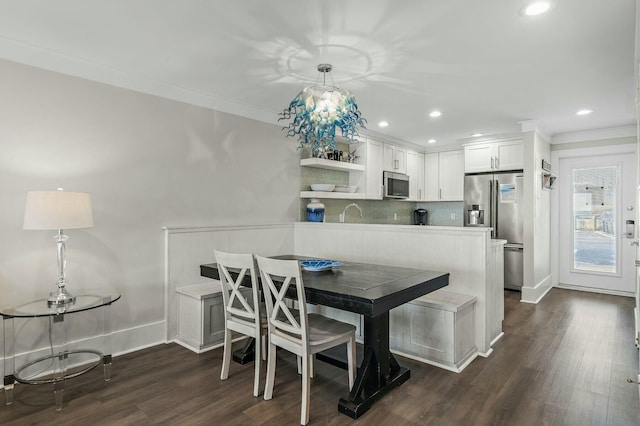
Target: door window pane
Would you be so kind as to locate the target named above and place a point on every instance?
(594, 219)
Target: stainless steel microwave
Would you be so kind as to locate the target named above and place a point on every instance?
(396, 185)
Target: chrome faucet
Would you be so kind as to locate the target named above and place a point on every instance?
(343, 215)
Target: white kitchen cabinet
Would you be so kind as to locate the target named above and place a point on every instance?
(394, 158)
(444, 176)
(372, 180)
(415, 170)
(493, 156)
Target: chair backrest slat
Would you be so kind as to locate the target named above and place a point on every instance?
(277, 276)
(237, 307)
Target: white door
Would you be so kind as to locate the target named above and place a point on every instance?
(596, 198)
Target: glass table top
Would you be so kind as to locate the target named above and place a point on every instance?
(39, 308)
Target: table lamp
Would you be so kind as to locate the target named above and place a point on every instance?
(58, 210)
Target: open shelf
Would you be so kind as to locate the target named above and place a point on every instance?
(335, 195)
(322, 163)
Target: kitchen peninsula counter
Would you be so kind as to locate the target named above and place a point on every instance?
(473, 259)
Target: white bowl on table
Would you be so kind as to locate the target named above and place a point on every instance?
(322, 187)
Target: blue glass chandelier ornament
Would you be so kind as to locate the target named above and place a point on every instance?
(318, 110)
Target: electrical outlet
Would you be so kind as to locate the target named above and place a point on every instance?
(453, 215)
(395, 216)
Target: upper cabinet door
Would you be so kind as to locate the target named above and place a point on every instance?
(451, 175)
(389, 158)
(510, 155)
(493, 156)
(431, 178)
(373, 171)
(394, 159)
(479, 158)
(415, 170)
(401, 159)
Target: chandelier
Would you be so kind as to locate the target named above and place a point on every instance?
(318, 110)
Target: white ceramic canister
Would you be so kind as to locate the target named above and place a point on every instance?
(315, 211)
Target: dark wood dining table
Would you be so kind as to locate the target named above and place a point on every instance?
(371, 290)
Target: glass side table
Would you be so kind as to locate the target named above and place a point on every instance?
(62, 362)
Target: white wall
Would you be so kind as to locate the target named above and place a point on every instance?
(147, 162)
(537, 237)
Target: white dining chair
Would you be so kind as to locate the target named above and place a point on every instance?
(297, 331)
(241, 315)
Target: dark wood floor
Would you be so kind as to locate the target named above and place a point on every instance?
(564, 361)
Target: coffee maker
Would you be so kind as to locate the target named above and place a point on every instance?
(419, 217)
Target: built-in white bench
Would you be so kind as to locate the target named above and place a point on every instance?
(200, 311)
(200, 316)
(437, 328)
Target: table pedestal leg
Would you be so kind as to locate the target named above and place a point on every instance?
(379, 371)
(247, 353)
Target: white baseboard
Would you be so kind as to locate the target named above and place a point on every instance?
(486, 354)
(596, 290)
(535, 294)
(462, 366)
(121, 342)
(498, 337)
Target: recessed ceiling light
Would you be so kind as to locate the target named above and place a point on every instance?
(584, 112)
(475, 135)
(431, 141)
(536, 8)
(383, 123)
(435, 114)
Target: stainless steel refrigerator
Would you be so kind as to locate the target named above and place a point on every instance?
(495, 200)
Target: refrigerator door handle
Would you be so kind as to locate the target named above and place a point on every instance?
(491, 207)
(495, 208)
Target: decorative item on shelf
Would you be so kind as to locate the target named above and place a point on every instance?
(345, 188)
(315, 211)
(318, 110)
(322, 187)
(351, 155)
(58, 210)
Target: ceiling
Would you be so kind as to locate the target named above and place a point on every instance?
(481, 63)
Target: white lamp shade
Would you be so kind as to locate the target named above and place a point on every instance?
(58, 210)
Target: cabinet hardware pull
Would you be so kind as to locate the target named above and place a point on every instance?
(491, 163)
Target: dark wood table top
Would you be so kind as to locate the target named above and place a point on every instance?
(368, 289)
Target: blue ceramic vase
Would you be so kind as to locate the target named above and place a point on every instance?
(315, 211)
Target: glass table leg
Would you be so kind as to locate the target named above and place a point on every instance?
(59, 342)
(58, 393)
(106, 363)
(9, 381)
(9, 362)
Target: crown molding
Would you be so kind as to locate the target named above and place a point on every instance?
(596, 134)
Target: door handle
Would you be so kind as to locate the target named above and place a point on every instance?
(491, 205)
(497, 235)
